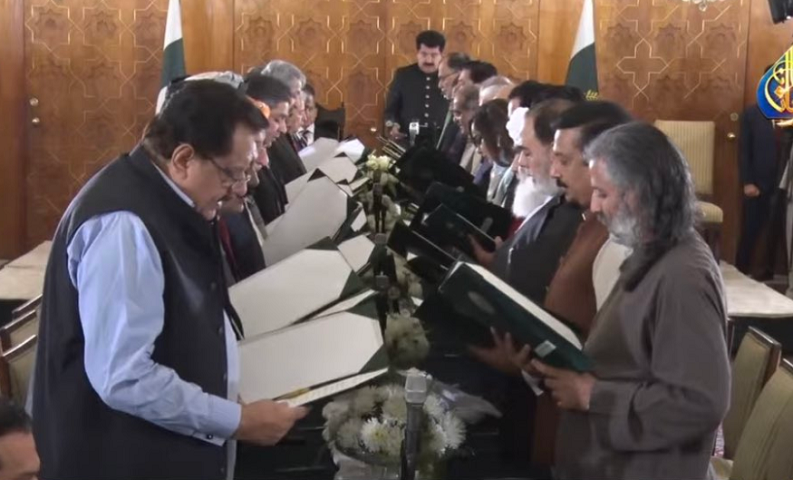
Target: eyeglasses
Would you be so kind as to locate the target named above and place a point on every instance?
(231, 178)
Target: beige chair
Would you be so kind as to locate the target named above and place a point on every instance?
(19, 330)
(696, 140)
(16, 369)
(757, 359)
(765, 450)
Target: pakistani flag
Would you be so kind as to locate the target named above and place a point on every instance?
(582, 71)
(173, 51)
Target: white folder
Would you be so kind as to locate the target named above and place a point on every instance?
(357, 251)
(344, 346)
(319, 151)
(321, 210)
(301, 285)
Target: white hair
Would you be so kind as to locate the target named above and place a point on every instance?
(284, 71)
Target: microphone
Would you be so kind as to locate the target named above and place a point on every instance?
(377, 208)
(414, 129)
(415, 396)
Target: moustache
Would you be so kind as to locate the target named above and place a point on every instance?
(560, 183)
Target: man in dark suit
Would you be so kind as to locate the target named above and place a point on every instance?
(448, 74)
(759, 163)
(414, 94)
(270, 195)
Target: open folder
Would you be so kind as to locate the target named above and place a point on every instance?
(294, 289)
(341, 170)
(479, 296)
(451, 231)
(357, 251)
(332, 353)
(321, 210)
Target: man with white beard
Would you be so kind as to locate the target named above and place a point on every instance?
(528, 260)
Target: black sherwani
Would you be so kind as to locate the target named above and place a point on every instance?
(414, 95)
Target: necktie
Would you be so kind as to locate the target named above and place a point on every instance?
(225, 241)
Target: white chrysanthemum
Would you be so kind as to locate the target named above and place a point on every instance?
(392, 444)
(395, 408)
(335, 409)
(374, 436)
(349, 434)
(364, 401)
(434, 408)
(454, 429)
(437, 439)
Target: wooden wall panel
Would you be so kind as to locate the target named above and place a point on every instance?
(350, 49)
(94, 67)
(208, 32)
(12, 129)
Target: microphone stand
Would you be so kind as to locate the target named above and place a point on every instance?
(415, 396)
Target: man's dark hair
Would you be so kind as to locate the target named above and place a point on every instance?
(469, 97)
(267, 89)
(640, 159)
(205, 115)
(527, 91)
(457, 60)
(308, 89)
(564, 92)
(13, 418)
(545, 115)
(593, 118)
(490, 121)
(430, 39)
(480, 71)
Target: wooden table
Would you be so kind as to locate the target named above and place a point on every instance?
(22, 279)
(751, 303)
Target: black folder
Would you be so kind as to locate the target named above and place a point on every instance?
(420, 166)
(493, 220)
(453, 233)
(479, 296)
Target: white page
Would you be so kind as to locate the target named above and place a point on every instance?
(319, 151)
(270, 227)
(524, 302)
(358, 184)
(352, 148)
(339, 169)
(283, 293)
(359, 222)
(318, 212)
(357, 251)
(306, 355)
(36, 258)
(334, 388)
(296, 186)
(345, 305)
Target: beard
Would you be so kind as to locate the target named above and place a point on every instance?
(622, 227)
(527, 197)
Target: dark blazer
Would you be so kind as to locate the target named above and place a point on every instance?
(284, 160)
(758, 150)
(448, 135)
(245, 245)
(270, 195)
(415, 95)
(529, 259)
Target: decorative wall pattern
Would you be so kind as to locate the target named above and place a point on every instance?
(665, 59)
(93, 68)
(350, 48)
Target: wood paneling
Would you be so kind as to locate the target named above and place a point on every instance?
(350, 49)
(767, 42)
(94, 66)
(12, 129)
(558, 22)
(208, 35)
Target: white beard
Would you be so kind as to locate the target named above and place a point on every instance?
(622, 228)
(527, 198)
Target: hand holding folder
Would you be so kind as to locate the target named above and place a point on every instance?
(266, 422)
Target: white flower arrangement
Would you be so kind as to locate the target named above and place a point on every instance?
(368, 424)
(393, 213)
(407, 281)
(407, 345)
(378, 169)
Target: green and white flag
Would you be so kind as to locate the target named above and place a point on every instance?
(173, 51)
(582, 71)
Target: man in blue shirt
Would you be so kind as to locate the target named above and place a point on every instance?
(137, 370)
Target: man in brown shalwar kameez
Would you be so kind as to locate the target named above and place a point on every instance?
(661, 379)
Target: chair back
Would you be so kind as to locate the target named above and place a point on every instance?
(757, 359)
(330, 123)
(16, 368)
(26, 307)
(696, 140)
(19, 330)
(764, 450)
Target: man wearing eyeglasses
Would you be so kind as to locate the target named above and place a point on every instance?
(137, 370)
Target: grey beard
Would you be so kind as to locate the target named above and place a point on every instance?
(622, 229)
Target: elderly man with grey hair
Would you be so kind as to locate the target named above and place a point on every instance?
(495, 87)
(660, 382)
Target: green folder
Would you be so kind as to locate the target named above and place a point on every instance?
(479, 296)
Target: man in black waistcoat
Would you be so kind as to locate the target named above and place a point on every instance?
(414, 94)
(137, 370)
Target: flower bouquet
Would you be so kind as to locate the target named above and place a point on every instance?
(365, 428)
(405, 340)
(378, 169)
